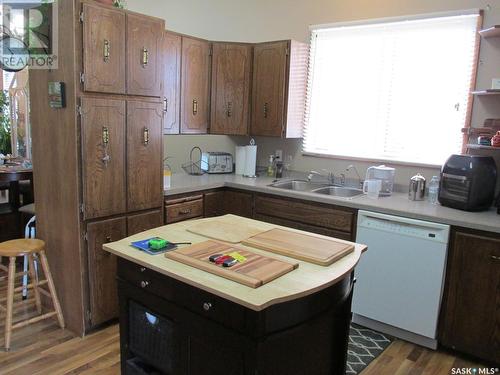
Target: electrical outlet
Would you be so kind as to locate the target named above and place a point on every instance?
(279, 154)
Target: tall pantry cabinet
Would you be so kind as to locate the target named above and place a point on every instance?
(98, 161)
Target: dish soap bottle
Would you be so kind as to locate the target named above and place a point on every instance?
(270, 167)
(434, 190)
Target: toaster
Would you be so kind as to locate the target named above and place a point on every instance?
(217, 162)
(468, 182)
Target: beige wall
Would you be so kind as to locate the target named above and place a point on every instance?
(261, 20)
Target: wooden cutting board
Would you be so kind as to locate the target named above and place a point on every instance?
(255, 271)
(311, 248)
(224, 231)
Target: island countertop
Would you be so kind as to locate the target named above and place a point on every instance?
(307, 279)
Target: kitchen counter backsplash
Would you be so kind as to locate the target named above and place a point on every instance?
(397, 204)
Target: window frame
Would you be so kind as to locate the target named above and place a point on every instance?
(470, 102)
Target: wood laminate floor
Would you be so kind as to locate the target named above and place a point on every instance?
(44, 348)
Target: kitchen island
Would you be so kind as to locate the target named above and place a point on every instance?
(181, 320)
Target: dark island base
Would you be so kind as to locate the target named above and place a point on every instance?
(169, 327)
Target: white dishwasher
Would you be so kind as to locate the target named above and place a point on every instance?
(400, 278)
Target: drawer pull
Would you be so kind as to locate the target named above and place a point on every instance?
(142, 269)
(185, 211)
(495, 258)
(207, 306)
(144, 284)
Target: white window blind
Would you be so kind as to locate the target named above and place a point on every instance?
(395, 91)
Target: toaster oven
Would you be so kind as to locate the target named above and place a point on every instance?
(217, 162)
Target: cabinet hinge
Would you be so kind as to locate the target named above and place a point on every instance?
(88, 314)
(86, 236)
(82, 208)
(210, 51)
(81, 16)
(79, 113)
(287, 51)
(82, 77)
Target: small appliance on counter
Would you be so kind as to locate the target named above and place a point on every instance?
(217, 162)
(497, 204)
(468, 182)
(384, 174)
(416, 191)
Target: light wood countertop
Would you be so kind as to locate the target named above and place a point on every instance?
(306, 279)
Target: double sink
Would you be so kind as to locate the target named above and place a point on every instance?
(318, 188)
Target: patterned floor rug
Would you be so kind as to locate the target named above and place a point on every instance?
(364, 346)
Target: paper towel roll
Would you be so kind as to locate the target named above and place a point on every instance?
(240, 159)
(250, 161)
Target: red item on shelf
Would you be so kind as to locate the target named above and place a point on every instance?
(495, 141)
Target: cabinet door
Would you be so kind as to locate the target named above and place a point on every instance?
(102, 269)
(194, 86)
(238, 203)
(213, 204)
(144, 155)
(470, 318)
(171, 82)
(144, 38)
(269, 81)
(103, 49)
(141, 222)
(230, 88)
(103, 157)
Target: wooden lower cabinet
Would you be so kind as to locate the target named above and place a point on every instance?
(143, 221)
(470, 314)
(237, 203)
(318, 218)
(180, 208)
(212, 203)
(103, 304)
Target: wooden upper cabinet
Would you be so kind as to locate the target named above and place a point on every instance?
(103, 153)
(195, 86)
(144, 155)
(470, 316)
(279, 88)
(171, 82)
(103, 49)
(144, 59)
(231, 75)
(102, 269)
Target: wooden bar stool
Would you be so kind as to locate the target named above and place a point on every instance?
(33, 249)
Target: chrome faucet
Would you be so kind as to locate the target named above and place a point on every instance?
(357, 174)
(328, 175)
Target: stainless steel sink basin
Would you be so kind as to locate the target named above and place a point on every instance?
(339, 191)
(298, 185)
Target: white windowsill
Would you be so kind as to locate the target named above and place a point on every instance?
(387, 161)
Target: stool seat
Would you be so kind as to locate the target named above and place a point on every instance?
(28, 209)
(24, 246)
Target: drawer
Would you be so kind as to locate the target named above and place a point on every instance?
(320, 215)
(183, 211)
(193, 299)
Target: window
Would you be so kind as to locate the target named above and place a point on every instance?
(391, 91)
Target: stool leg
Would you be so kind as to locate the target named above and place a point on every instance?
(34, 281)
(25, 277)
(10, 301)
(52, 289)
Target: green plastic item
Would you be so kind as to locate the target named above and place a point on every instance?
(158, 243)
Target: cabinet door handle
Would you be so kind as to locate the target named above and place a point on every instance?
(144, 284)
(145, 57)
(207, 306)
(105, 142)
(106, 50)
(195, 107)
(229, 111)
(145, 135)
(495, 258)
(165, 105)
(265, 110)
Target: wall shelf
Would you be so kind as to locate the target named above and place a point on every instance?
(482, 147)
(490, 32)
(486, 92)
